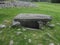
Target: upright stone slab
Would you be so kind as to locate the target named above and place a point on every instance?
(33, 20)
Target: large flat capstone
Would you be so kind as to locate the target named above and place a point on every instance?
(33, 20)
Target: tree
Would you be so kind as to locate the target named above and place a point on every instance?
(55, 1)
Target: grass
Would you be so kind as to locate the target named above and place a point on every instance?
(44, 37)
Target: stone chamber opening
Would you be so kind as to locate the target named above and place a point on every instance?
(30, 24)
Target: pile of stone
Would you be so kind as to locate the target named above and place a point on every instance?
(17, 4)
(24, 4)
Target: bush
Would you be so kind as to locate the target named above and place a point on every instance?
(55, 1)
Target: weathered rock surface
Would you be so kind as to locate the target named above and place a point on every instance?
(2, 26)
(15, 23)
(51, 25)
(33, 20)
(33, 16)
(12, 4)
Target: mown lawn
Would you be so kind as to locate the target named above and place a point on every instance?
(44, 37)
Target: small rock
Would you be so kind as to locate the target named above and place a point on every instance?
(51, 44)
(29, 40)
(24, 29)
(15, 23)
(34, 34)
(2, 26)
(51, 25)
(58, 23)
(11, 42)
(39, 44)
(19, 33)
(30, 29)
(19, 29)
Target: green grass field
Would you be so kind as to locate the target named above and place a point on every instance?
(44, 37)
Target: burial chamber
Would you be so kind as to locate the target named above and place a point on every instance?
(33, 20)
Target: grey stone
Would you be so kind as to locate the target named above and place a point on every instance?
(40, 44)
(34, 35)
(40, 24)
(51, 25)
(18, 33)
(33, 16)
(58, 23)
(2, 26)
(8, 4)
(29, 40)
(31, 28)
(19, 29)
(15, 23)
(23, 4)
(33, 20)
(23, 29)
(11, 42)
(51, 44)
